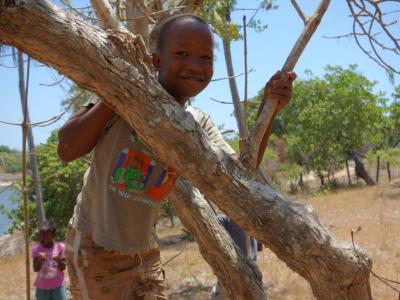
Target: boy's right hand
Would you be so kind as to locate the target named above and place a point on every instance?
(280, 88)
(41, 257)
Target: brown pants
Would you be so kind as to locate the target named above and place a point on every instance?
(98, 274)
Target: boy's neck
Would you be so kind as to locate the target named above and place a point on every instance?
(50, 245)
(182, 101)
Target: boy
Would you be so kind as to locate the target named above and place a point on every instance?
(111, 250)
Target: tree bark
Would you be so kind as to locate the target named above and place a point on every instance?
(378, 167)
(41, 215)
(360, 168)
(348, 172)
(321, 179)
(239, 113)
(388, 171)
(115, 66)
(137, 25)
(232, 268)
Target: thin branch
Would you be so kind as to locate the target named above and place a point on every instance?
(219, 101)
(370, 9)
(244, 9)
(8, 67)
(299, 11)
(10, 123)
(154, 13)
(255, 13)
(54, 119)
(361, 260)
(49, 121)
(76, 11)
(245, 104)
(55, 83)
(229, 77)
(8, 187)
(145, 11)
(267, 114)
(175, 256)
(106, 15)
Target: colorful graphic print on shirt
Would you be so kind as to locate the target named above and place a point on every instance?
(134, 170)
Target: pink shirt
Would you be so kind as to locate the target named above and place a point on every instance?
(49, 277)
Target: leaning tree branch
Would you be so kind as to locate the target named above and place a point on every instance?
(266, 116)
(116, 66)
(106, 15)
(236, 272)
(299, 11)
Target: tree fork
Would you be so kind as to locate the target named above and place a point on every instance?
(116, 66)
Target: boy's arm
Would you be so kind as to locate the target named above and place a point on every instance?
(80, 133)
(37, 263)
(280, 89)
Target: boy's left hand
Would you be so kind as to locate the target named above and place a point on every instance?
(60, 261)
(280, 89)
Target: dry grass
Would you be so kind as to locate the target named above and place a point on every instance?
(376, 210)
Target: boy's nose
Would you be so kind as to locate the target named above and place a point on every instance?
(194, 65)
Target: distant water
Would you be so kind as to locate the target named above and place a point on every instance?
(5, 199)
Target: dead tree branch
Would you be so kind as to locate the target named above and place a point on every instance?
(372, 33)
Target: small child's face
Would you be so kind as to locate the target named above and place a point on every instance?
(185, 62)
(46, 237)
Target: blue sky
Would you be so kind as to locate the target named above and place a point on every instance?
(267, 51)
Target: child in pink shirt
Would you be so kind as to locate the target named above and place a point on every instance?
(49, 263)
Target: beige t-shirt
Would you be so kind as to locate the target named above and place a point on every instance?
(124, 187)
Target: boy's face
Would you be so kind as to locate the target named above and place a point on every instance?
(185, 62)
(46, 237)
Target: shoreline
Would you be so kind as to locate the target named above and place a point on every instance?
(6, 179)
(4, 184)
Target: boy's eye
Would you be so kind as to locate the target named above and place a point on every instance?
(207, 58)
(182, 53)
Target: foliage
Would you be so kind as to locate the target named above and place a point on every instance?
(6, 149)
(61, 184)
(391, 155)
(392, 122)
(10, 160)
(327, 117)
(218, 14)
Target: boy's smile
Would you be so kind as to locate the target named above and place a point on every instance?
(185, 61)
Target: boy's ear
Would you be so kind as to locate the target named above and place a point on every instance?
(156, 60)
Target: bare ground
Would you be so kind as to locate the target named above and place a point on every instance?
(374, 210)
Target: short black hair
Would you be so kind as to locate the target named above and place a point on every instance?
(49, 225)
(158, 33)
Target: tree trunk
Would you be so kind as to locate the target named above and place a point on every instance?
(41, 215)
(378, 166)
(348, 173)
(301, 182)
(360, 168)
(239, 114)
(232, 268)
(115, 66)
(388, 171)
(321, 179)
(136, 22)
